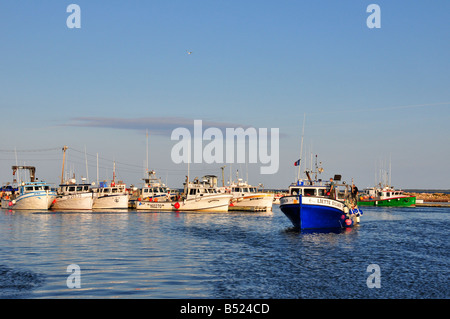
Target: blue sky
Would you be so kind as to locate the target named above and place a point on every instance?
(371, 96)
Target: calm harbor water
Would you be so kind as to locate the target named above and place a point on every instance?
(129, 254)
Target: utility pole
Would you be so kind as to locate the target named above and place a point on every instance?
(64, 159)
(223, 176)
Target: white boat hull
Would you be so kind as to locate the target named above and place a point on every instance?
(38, 201)
(111, 201)
(76, 202)
(147, 205)
(215, 203)
(256, 202)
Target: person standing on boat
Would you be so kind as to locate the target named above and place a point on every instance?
(332, 189)
(354, 194)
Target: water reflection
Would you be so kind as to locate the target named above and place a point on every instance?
(223, 255)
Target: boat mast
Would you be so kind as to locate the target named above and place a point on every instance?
(17, 177)
(97, 169)
(85, 158)
(114, 172)
(146, 134)
(301, 147)
(390, 170)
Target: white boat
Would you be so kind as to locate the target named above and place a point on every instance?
(29, 195)
(73, 196)
(247, 197)
(204, 196)
(154, 195)
(197, 196)
(114, 195)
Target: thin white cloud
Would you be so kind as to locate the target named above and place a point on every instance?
(155, 125)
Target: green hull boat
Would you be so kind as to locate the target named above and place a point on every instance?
(386, 197)
(409, 201)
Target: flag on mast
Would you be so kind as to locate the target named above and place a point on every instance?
(297, 163)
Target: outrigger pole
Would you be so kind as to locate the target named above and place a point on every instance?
(301, 148)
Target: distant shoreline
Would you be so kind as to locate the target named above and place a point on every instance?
(418, 190)
(408, 190)
(437, 196)
(426, 195)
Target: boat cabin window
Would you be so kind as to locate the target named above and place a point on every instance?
(29, 188)
(71, 188)
(192, 191)
(308, 191)
(320, 192)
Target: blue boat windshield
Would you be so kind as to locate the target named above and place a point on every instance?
(308, 191)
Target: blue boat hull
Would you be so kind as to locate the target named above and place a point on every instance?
(315, 216)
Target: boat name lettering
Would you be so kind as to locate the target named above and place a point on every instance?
(155, 205)
(325, 201)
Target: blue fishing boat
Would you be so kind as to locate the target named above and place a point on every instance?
(313, 204)
(317, 205)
